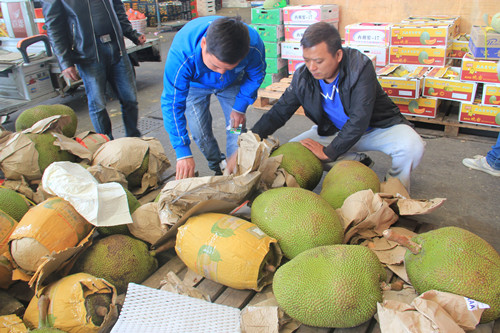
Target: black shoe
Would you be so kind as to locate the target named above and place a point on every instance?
(366, 160)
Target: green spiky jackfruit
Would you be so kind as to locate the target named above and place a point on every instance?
(346, 178)
(301, 163)
(330, 286)
(47, 151)
(30, 116)
(457, 261)
(119, 259)
(135, 178)
(298, 218)
(12, 203)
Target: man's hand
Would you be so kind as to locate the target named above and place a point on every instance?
(142, 39)
(315, 147)
(231, 164)
(184, 168)
(237, 119)
(71, 73)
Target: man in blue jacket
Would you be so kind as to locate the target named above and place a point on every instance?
(210, 55)
(340, 93)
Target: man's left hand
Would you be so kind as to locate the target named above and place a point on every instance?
(142, 39)
(237, 119)
(315, 147)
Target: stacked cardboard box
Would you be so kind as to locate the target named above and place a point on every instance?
(269, 24)
(370, 38)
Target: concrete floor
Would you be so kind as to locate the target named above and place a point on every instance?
(470, 194)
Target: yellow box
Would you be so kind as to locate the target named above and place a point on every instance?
(491, 94)
(420, 107)
(402, 81)
(419, 55)
(453, 21)
(459, 46)
(476, 113)
(443, 83)
(421, 35)
(480, 70)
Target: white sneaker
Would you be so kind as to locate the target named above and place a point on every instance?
(479, 162)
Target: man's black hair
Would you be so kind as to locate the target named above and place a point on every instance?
(322, 32)
(228, 40)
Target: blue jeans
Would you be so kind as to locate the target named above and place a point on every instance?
(400, 142)
(117, 70)
(493, 156)
(199, 120)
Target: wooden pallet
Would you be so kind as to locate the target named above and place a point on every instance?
(446, 118)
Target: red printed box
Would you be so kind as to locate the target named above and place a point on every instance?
(402, 81)
(459, 46)
(421, 35)
(308, 14)
(294, 32)
(453, 21)
(444, 83)
(291, 50)
(480, 70)
(381, 52)
(419, 55)
(479, 114)
(368, 34)
(293, 65)
(420, 107)
(491, 94)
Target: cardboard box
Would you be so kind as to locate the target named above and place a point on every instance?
(270, 33)
(402, 81)
(381, 52)
(479, 70)
(444, 83)
(459, 46)
(368, 34)
(491, 94)
(275, 65)
(419, 55)
(420, 107)
(19, 19)
(291, 50)
(294, 32)
(478, 114)
(273, 50)
(262, 15)
(293, 65)
(425, 35)
(484, 43)
(308, 14)
(275, 77)
(454, 21)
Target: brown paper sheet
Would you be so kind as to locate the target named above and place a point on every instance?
(147, 225)
(173, 284)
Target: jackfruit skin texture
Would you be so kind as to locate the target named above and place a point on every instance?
(346, 178)
(301, 163)
(457, 261)
(133, 204)
(12, 203)
(330, 286)
(30, 116)
(119, 259)
(297, 218)
(47, 151)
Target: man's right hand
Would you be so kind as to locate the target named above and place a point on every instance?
(71, 73)
(184, 168)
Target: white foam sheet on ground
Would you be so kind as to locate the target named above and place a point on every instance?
(152, 310)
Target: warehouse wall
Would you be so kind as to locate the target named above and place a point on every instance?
(393, 11)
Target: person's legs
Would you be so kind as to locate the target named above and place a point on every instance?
(226, 99)
(489, 163)
(122, 80)
(493, 156)
(200, 124)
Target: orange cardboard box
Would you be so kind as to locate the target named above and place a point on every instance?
(460, 46)
(480, 70)
(453, 21)
(419, 55)
(425, 35)
(402, 81)
(476, 113)
(491, 94)
(420, 107)
(444, 83)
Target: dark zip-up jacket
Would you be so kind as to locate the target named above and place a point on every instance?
(71, 30)
(364, 101)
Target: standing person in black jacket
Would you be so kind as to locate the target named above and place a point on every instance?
(89, 34)
(340, 93)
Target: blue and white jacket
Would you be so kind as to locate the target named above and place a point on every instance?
(184, 68)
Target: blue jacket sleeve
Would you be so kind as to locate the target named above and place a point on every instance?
(254, 75)
(176, 79)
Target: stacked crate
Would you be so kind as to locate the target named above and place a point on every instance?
(371, 39)
(296, 20)
(165, 11)
(269, 24)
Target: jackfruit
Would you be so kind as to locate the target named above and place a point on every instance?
(457, 261)
(13, 203)
(119, 259)
(135, 178)
(7, 225)
(30, 116)
(298, 218)
(97, 306)
(330, 286)
(346, 178)
(47, 151)
(301, 163)
(133, 204)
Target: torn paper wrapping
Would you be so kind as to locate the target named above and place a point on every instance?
(22, 186)
(433, 311)
(178, 196)
(147, 225)
(173, 284)
(266, 316)
(104, 174)
(91, 140)
(100, 204)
